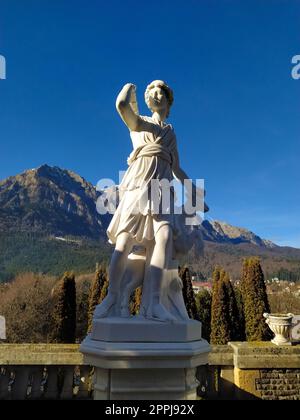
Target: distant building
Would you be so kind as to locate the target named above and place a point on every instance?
(198, 286)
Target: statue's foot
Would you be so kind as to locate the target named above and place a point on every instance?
(102, 310)
(159, 313)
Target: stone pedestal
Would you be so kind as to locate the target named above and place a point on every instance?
(138, 359)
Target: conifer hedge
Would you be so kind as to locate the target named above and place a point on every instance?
(255, 300)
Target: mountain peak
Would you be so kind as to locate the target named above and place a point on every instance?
(47, 170)
(51, 200)
(216, 230)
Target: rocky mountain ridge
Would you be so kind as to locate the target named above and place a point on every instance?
(49, 224)
(60, 202)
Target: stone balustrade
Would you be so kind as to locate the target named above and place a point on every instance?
(236, 371)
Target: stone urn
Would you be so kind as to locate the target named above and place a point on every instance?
(281, 325)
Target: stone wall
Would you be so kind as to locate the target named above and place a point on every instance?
(237, 371)
(279, 384)
(251, 371)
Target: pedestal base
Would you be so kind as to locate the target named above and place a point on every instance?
(156, 369)
(139, 329)
(145, 384)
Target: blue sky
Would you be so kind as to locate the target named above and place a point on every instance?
(236, 109)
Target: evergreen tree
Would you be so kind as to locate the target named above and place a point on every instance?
(95, 293)
(136, 301)
(188, 293)
(220, 328)
(255, 300)
(216, 278)
(65, 310)
(203, 302)
(241, 316)
(104, 289)
(232, 310)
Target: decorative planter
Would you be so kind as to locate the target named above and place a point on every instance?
(281, 325)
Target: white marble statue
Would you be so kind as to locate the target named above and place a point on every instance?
(147, 241)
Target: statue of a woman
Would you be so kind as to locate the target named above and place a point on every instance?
(136, 220)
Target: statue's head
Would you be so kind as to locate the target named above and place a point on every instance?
(159, 96)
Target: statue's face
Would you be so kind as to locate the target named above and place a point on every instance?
(157, 99)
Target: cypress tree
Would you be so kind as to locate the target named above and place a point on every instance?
(136, 301)
(95, 293)
(232, 310)
(188, 293)
(220, 328)
(64, 316)
(241, 316)
(104, 289)
(203, 302)
(255, 300)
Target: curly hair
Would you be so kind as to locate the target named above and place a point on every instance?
(168, 92)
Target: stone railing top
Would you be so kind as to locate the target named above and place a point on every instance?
(40, 354)
(259, 347)
(251, 355)
(220, 355)
(265, 355)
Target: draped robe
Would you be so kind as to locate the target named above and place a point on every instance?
(154, 153)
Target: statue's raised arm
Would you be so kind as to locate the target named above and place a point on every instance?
(127, 107)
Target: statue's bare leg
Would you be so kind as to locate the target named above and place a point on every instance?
(162, 253)
(116, 271)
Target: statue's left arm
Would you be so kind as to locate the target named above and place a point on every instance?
(178, 172)
(181, 175)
